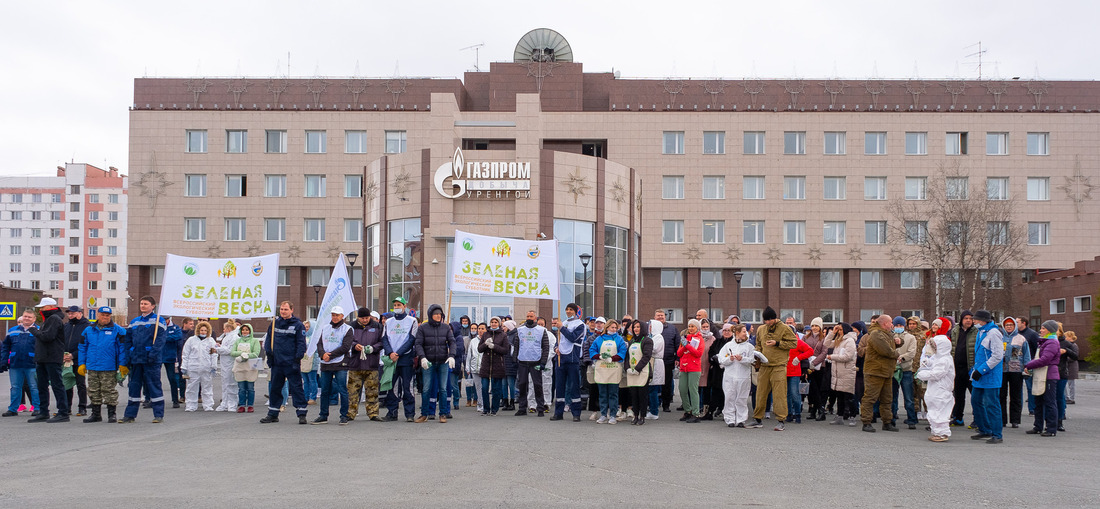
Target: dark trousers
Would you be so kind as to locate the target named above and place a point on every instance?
(49, 378)
(668, 388)
(1046, 407)
(1012, 396)
(81, 393)
(845, 404)
(962, 385)
(292, 377)
(567, 389)
(526, 372)
(591, 389)
(401, 391)
(816, 396)
(145, 377)
(639, 400)
(175, 388)
(716, 395)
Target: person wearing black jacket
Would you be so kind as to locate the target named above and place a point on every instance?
(49, 353)
(73, 330)
(435, 346)
(285, 346)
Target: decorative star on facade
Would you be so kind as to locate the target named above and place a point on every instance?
(774, 254)
(855, 254)
(316, 86)
(1079, 187)
(355, 87)
(402, 182)
(896, 255)
(539, 69)
(916, 87)
(293, 253)
(237, 87)
(794, 87)
(396, 86)
(955, 88)
(753, 88)
(714, 87)
(672, 87)
(333, 250)
(197, 87)
(833, 88)
(638, 201)
(370, 193)
(253, 249)
(277, 87)
(1037, 87)
(153, 183)
(875, 87)
(693, 253)
(997, 88)
(618, 192)
(577, 184)
(814, 254)
(214, 250)
(733, 254)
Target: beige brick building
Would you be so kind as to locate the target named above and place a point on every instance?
(673, 185)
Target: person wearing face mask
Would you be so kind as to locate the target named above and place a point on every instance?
(493, 347)
(690, 353)
(400, 329)
(938, 370)
(567, 374)
(736, 358)
(199, 363)
(530, 351)
(907, 351)
(435, 346)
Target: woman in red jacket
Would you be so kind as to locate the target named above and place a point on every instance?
(795, 361)
(690, 354)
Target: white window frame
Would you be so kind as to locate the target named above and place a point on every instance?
(241, 184)
(921, 232)
(353, 186)
(1038, 233)
(870, 279)
(835, 232)
(751, 315)
(997, 188)
(916, 188)
(956, 143)
(794, 187)
(396, 142)
(198, 222)
(838, 186)
(791, 313)
(236, 229)
(1038, 144)
(676, 281)
(996, 143)
(836, 279)
(832, 316)
(195, 141)
(189, 187)
(916, 143)
(794, 143)
(753, 187)
(677, 232)
(791, 278)
(752, 278)
(353, 225)
(279, 225)
(713, 276)
(714, 187)
(1082, 304)
(754, 143)
(718, 233)
(279, 184)
(794, 232)
(672, 187)
(957, 188)
(279, 141)
(236, 141)
(1038, 188)
(879, 229)
(320, 186)
(672, 143)
(876, 183)
(714, 142)
(874, 143)
(319, 224)
(836, 143)
(316, 141)
(355, 141)
(1057, 306)
(757, 229)
(914, 278)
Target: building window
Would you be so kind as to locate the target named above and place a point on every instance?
(55, 285)
(753, 232)
(710, 278)
(874, 143)
(353, 230)
(318, 276)
(836, 188)
(956, 232)
(236, 142)
(274, 229)
(752, 315)
(16, 215)
(996, 144)
(958, 188)
(112, 267)
(92, 250)
(672, 278)
(866, 314)
(673, 142)
(15, 267)
(55, 215)
(275, 141)
(353, 186)
(196, 141)
(916, 188)
(236, 186)
(910, 280)
(956, 144)
(996, 233)
(15, 250)
(835, 143)
(93, 267)
(950, 279)
(674, 315)
(832, 279)
(916, 144)
(784, 314)
(284, 276)
(56, 250)
(404, 258)
(672, 232)
(355, 142)
(871, 279)
(753, 188)
(316, 142)
(794, 232)
(55, 198)
(36, 198)
(996, 188)
(1038, 234)
(93, 233)
(194, 185)
(73, 241)
(395, 142)
(93, 198)
(754, 142)
(714, 187)
(714, 142)
(672, 187)
(714, 232)
(112, 198)
(74, 206)
(1082, 304)
(794, 188)
(874, 188)
(574, 238)
(1038, 188)
(790, 278)
(74, 276)
(93, 285)
(835, 232)
(874, 232)
(752, 278)
(992, 279)
(274, 186)
(112, 216)
(794, 142)
(18, 198)
(1038, 144)
(194, 228)
(112, 250)
(36, 250)
(234, 228)
(832, 316)
(314, 230)
(315, 186)
(1057, 306)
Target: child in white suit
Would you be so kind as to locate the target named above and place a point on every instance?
(736, 358)
(199, 362)
(938, 369)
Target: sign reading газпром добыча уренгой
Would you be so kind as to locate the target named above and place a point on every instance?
(483, 179)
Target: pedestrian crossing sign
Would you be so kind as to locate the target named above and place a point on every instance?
(7, 311)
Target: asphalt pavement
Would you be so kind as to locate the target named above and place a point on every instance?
(207, 459)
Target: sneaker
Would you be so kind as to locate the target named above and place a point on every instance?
(576, 418)
(767, 415)
(650, 416)
(778, 427)
(630, 413)
(302, 419)
(157, 420)
(556, 417)
(58, 418)
(851, 422)
(837, 420)
(175, 404)
(41, 417)
(9, 413)
(594, 416)
(344, 421)
(601, 420)
(868, 428)
(980, 436)
(1047, 434)
(377, 419)
(320, 420)
(612, 421)
(756, 424)
(995, 440)
(410, 419)
(421, 419)
(130, 420)
(22, 408)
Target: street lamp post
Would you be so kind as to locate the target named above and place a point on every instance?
(317, 298)
(737, 277)
(351, 270)
(710, 307)
(585, 258)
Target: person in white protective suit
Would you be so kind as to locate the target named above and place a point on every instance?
(657, 365)
(227, 343)
(548, 370)
(198, 364)
(938, 369)
(736, 359)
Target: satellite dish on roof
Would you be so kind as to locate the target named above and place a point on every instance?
(543, 45)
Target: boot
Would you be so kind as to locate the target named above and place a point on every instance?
(95, 417)
(111, 414)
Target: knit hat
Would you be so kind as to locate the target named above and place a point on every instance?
(1051, 326)
(695, 323)
(818, 322)
(966, 314)
(984, 316)
(769, 314)
(945, 327)
(899, 321)
(726, 327)
(362, 312)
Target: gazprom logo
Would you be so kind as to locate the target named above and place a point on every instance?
(341, 283)
(454, 171)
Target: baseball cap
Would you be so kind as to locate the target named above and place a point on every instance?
(74, 309)
(401, 300)
(105, 310)
(46, 301)
(601, 319)
(337, 310)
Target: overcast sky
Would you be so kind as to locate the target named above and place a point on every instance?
(68, 69)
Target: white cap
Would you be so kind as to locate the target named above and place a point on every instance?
(337, 310)
(375, 315)
(46, 301)
(601, 320)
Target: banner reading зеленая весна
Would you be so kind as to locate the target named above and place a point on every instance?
(502, 266)
(220, 287)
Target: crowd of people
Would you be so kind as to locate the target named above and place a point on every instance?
(627, 369)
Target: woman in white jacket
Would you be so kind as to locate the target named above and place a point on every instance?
(657, 368)
(198, 364)
(227, 343)
(736, 358)
(938, 369)
(473, 363)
